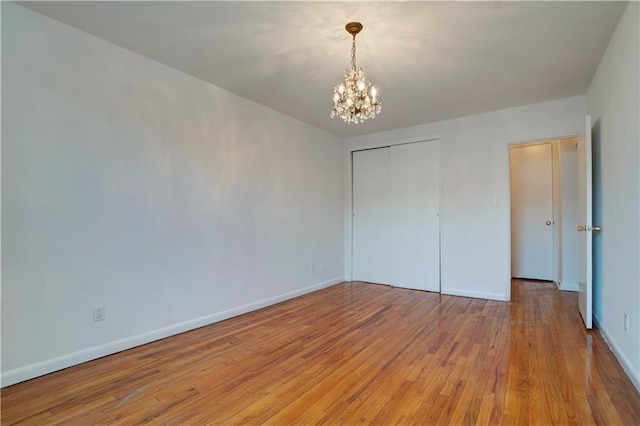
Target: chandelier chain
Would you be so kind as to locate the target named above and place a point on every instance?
(353, 53)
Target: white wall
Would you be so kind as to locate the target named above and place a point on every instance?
(613, 100)
(475, 220)
(128, 184)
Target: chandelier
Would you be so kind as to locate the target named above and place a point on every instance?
(355, 100)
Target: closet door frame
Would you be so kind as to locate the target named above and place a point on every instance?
(348, 243)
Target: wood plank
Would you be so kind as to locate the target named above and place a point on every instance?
(354, 353)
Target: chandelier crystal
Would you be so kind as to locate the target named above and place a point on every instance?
(355, 100)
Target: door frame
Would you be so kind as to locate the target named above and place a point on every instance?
(531, 142)
(348, 170)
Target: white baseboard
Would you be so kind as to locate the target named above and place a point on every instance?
(48, 366)
(622, 359)
(567, 286)
(474, 294)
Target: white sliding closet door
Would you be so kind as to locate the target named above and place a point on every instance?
(396, 224)
(415, 205)
(371, 216)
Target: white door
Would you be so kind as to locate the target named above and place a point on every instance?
(371, 216)
(415, 204)
(585, 226)
(396, 226)
(532, 228)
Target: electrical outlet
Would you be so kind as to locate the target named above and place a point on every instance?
(626, 323)
(98, 313)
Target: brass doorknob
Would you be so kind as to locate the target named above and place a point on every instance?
(596, 228)
(581, 228)
(548, 222)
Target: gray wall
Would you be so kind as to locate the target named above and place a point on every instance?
(128, 184)
(613, 100)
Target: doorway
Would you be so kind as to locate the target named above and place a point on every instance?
(532, 218)
(543, 185)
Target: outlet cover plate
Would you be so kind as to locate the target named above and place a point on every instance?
(98, 313)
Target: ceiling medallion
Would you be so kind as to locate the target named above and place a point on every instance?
(355, 100)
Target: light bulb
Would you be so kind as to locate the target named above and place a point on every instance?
(341, 88)
(374, 92)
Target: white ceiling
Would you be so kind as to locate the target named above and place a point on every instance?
(430, 60)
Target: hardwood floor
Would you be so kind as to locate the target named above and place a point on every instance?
(354, 353)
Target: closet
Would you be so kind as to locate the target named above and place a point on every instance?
(396, 224)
